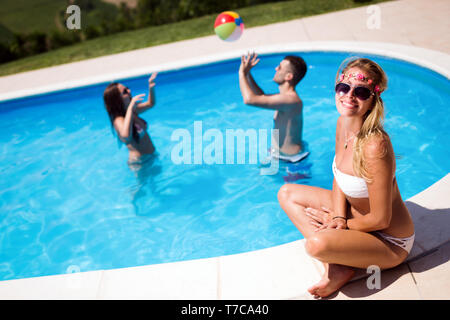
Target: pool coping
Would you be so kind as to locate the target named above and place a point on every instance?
(431, 59)
(280, 272)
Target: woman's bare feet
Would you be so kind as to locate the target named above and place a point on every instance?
(334, 278)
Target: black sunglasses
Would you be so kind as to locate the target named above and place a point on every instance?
(126, 91)
(362, 93)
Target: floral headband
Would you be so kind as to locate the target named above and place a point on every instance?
(361, 77)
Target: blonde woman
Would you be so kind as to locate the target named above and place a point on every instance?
(363, 220)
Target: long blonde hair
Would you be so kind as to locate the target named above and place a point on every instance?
(373, 119)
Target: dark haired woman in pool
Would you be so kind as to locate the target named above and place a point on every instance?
(123, 111)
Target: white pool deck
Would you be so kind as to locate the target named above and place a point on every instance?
(414, 30)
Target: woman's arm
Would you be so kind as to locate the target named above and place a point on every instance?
(338, 197)
(142, 107)
(124, 126)
(326, 218)
(339, 201)
(380, 166)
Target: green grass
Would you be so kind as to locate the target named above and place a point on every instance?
(152, 36)
(26, 16)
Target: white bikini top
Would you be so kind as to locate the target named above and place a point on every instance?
(352, 186)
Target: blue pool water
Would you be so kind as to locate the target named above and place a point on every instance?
(68, 200)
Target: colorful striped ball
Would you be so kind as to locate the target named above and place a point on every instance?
(229, 26)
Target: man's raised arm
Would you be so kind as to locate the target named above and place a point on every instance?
(256, 97)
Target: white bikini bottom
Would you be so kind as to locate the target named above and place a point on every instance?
(404, 243)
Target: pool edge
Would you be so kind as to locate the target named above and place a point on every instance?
(411, 54)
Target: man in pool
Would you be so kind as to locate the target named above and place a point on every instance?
(288, 106)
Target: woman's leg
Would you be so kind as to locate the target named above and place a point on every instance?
(354, 248)
(333, 279)
(339, 250)
(295, 198)
(343, 248)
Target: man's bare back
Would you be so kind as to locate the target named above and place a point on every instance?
(289, 124)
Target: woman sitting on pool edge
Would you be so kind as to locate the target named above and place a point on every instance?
(363, 220)
(123, 111)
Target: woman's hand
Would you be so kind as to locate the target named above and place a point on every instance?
(323, 219)
(151, 84)
(248, 62)
(135, 101)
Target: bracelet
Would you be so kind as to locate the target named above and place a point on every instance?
(337, 217)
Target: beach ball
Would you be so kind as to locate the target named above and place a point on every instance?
(229, 26)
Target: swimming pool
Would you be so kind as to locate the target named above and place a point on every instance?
(68, 198)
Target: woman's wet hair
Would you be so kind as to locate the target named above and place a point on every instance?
(115, 107)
